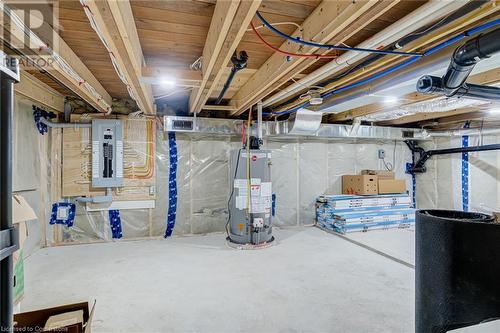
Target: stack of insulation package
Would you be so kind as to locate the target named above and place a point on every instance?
(349, 213)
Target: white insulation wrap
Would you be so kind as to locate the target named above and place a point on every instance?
(301, 170)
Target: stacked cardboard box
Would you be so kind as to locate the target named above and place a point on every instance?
(349, 213)
(371, 182)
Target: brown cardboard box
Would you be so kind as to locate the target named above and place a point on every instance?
(21, 212)
(390, 186)
(382, 174)
(359, 184)
(35, 321)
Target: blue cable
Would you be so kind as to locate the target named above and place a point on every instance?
(172, 185)
(404, 64)
(330, 46)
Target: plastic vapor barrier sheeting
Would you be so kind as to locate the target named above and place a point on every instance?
(302, 169)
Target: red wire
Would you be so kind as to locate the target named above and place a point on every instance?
(275, 49)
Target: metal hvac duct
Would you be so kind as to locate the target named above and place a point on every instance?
(456, 271)
(285, 129)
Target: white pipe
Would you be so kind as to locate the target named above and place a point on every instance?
(417, 19)
(64, 125)
(259, 120)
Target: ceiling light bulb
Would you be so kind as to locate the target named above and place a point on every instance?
(168, 82)
(390, 100)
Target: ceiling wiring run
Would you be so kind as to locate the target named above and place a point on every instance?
(100, 34)
(62, 64)
(298, 40)
(436, 48)
(290, 54)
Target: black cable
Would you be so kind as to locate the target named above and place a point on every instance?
(232, 192)
(399, 44)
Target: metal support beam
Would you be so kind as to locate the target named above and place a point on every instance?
(9, 74)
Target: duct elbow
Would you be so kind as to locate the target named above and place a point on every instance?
(428, 84)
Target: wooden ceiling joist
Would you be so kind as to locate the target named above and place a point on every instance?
(326, 24)
(99, 98)
(34, 89)
(458, 25)
(227, 27)
(113, 19)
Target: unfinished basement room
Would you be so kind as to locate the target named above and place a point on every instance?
(251, 166)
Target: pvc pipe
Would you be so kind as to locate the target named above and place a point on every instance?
(97, 199)
(417, 19)
(259, 120)
(64, 125)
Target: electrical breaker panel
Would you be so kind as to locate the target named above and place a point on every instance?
(107, 153)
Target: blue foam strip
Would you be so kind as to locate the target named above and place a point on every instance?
(115, 222)
(172, 185)
(71, 214)
(465, 172)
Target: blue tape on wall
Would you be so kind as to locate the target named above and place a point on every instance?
(66, 213)
(39, 114)
(465, 172)
(115, 222)
(172, 185)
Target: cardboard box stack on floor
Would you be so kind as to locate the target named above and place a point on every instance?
(21, 212)
(349, 213)
(371, 182)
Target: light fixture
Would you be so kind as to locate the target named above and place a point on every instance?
(316, 98)
(167, 82)
(390, 100)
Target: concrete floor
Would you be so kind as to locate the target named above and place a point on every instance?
(311, 281)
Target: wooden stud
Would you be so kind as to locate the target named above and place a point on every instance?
(113, 19)
(323, 25)
(220, 24)
(39, 92)
(17, 37)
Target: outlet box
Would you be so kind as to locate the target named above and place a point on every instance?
(381, 154)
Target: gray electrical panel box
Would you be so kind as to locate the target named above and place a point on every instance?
(107, 153)
(250, 204)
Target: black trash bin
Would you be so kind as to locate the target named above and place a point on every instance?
(457, 271)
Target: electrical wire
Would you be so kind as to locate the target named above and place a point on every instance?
(330, 46)
(277, 24)
(290, 54)
(232, 193)
(60, 61)
(404, 64)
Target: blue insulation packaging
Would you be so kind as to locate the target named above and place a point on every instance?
(350, 213)
(172, 185)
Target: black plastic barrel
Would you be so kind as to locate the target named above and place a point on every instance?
(457, 270)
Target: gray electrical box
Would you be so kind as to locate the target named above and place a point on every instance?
(107, 153)
(250, 204)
